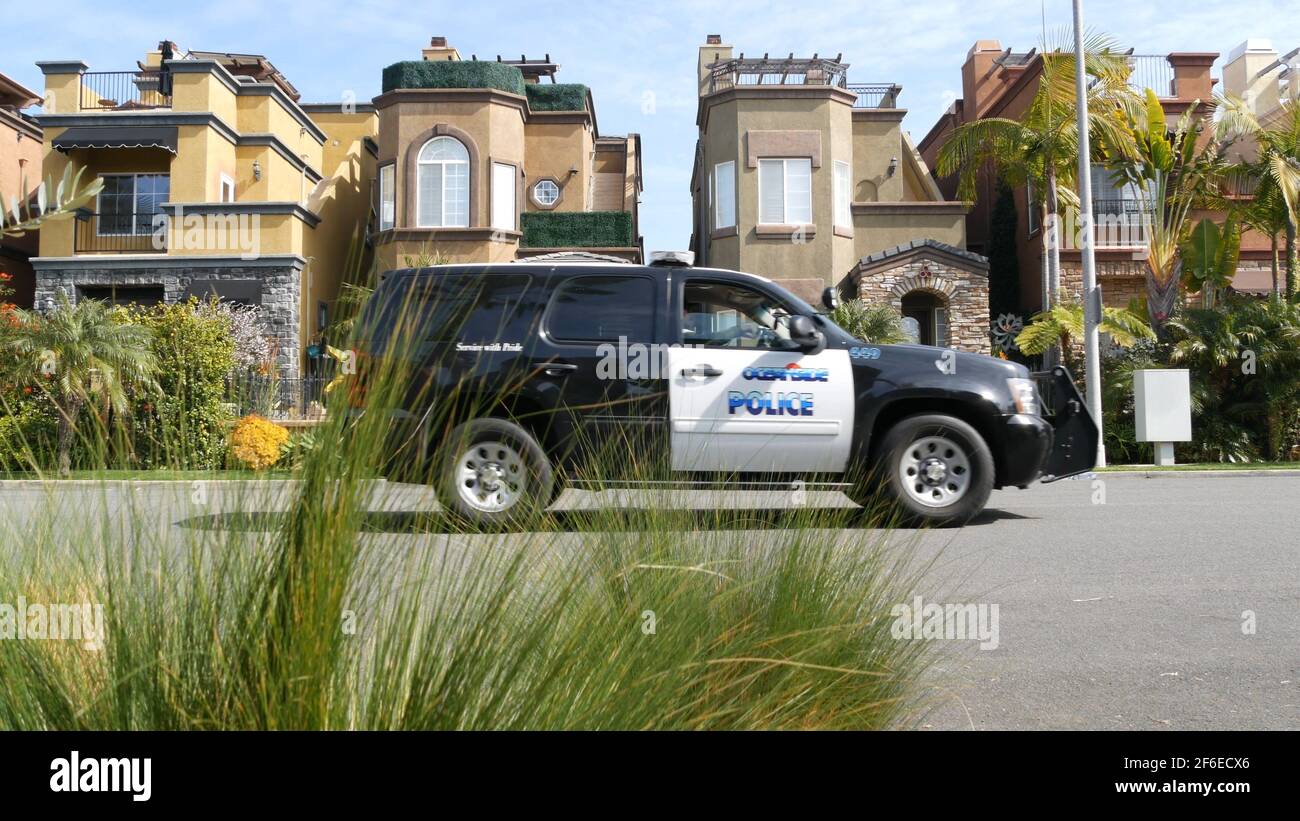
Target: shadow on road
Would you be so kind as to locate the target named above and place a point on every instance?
(580, 521)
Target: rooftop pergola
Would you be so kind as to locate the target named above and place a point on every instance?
(745, 71)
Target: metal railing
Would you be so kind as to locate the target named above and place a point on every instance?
(125, 90)
(1116, 223)
(1152, 71)
(875, 95)
(277, 398)
(117, 234)
(790, 71)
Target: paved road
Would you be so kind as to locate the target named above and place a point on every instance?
(1120, 605)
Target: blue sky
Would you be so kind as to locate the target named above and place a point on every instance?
(629, 53)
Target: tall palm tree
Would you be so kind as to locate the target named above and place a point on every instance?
(1173, 172)
(77, 353)
(1042, 148)
(1277, 168)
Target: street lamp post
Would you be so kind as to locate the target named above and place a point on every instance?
(1091, 294)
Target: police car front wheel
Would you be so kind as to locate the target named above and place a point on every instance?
(937, 468)
(494, 473)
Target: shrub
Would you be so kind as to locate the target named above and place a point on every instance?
(557, 96)
(879, 324)
(454, 74)
(195, 349)
(577, 229)
(257, 442)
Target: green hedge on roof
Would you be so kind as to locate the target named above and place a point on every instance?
(454, 74)
(577, 229)
(557, 96)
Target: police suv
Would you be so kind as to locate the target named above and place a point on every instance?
(727, 376)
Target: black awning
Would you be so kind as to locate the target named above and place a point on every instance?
(117, 136)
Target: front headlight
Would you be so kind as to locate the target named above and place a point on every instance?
(1024, 395)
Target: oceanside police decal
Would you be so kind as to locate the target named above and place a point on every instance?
(766, 403)
(792, 372)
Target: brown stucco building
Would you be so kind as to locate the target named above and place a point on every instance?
(493, 160)
(20, 175)
(808, 179)
(999, 82)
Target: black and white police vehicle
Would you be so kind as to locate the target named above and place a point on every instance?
(727, 375)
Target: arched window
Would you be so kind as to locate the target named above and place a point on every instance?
(442, 184)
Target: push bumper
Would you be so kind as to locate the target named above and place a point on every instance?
(1026, 446)
(1074, 431)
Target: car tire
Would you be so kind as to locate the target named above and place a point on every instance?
(936, 469)
(494, 475)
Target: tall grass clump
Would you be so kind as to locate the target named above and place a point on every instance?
(340, 601)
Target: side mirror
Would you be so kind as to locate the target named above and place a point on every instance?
(805, 334)
(831, 299)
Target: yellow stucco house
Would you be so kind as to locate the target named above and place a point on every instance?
(217, 180)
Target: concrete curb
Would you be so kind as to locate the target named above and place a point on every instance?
(1161, 474)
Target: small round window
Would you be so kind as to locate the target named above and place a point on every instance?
(546, 193)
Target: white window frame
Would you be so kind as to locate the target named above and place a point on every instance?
(387, 197)
(785, 189)
(538, 202)
(135, 203)
(227, 185)
(843, 194)
(724, 191)
(420, 165)
(511, 213)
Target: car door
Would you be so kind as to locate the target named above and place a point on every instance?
(600, 329)
(743, 397)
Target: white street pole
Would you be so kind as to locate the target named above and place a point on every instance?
(1091, 295)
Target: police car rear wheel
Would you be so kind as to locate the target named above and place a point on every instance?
(938, 469)
(495, 474)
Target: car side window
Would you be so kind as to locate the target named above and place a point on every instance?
(603, 309)
(719, 314)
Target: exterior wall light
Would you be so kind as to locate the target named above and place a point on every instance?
(257, 170)
(893, 167)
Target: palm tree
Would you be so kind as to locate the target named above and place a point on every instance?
(79, 353)
(1277, 169)
(878, 324)
(1173, 172)
(1063, 322)
(1042, 148)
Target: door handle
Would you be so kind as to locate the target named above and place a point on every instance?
(706, 371)
(559, 368)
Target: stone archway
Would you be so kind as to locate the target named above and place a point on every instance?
(956, 278)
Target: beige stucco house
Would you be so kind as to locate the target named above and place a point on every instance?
(810, 180)
(493, 160)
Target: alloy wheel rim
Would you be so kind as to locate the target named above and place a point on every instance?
(935, 471)
(491, 476)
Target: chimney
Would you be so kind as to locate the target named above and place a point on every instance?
(1241, 75)
(439, 50)
(711, 52)
(978, 88)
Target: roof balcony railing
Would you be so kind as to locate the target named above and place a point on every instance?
(125, 90)
(1152, 71)
(875, 95)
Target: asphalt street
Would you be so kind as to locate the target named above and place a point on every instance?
(1123, 602)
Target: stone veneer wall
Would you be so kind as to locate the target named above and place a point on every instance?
(280, 297)
(966, 292)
